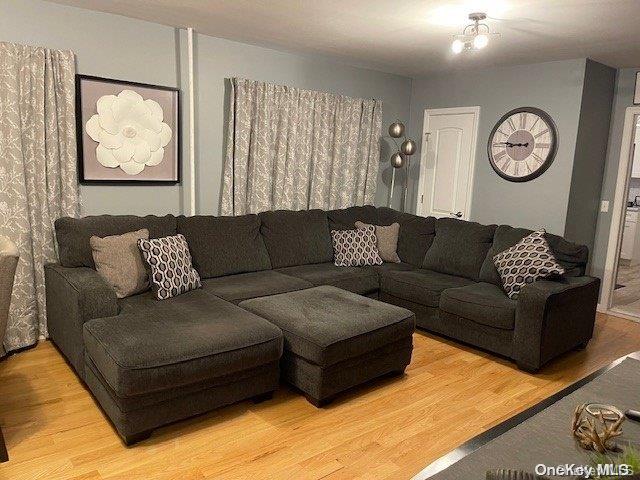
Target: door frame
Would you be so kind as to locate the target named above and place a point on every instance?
(422, 177)
(619, 207)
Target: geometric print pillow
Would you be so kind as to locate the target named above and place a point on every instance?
(170, 269)
(527, 261)
(355, 248)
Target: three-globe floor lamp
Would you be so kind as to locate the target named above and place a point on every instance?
(400, 159)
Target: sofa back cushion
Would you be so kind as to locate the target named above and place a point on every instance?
(416, 233)
(571, 256)
(346, 218)
(225, 245)
(459, 247)
(296, 237)
(73, 234)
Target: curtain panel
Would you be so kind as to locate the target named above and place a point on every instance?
(296, 149)
(38, 179)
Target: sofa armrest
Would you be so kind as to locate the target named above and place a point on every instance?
(75, 295)
(553, 317)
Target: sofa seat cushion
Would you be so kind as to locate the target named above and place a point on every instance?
(236, 288)
(326, 325)
(483, 303)
(393, 267)
(419, 286)
(361, 280)
(183, 340)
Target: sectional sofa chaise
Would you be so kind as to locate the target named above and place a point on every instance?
(273, 304)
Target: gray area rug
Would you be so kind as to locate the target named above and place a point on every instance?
(546, 438)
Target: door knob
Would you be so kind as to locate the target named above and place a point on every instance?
(458, 214)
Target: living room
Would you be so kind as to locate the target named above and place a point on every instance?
(317, 239)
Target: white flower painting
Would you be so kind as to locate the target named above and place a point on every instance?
(130, 132)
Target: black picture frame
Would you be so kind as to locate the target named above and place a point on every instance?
(552, 153)
(636, 91)
(79, 132)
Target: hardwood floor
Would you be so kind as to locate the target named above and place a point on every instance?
(627, 297)
(390, 429)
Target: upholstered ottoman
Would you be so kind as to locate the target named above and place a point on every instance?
(334, 339)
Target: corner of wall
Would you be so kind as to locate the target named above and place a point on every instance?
(590, 152)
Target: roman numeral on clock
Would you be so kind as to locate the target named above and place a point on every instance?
(534, 123)
(499, 155)
(539, 134)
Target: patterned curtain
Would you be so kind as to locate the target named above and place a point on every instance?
(298, 149)
(38, 180)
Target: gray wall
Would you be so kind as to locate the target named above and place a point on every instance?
(119, 47)
(591, 152)
(555, 87)
(108, 46)
(625, 83)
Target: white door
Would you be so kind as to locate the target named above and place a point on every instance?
(447, 164)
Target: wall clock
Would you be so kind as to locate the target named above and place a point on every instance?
(523, 144)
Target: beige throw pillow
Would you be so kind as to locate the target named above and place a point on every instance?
(387, 240)
(119, 262)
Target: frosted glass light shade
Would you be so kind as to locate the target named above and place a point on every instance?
(480, 41)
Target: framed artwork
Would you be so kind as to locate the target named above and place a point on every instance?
(636, 93)
(127, 133)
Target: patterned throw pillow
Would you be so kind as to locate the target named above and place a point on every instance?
(355, 248)
(527, 261)
(170, 269)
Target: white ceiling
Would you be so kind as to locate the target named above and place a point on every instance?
(409, 37)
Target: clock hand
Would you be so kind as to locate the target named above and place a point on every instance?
(508, 144)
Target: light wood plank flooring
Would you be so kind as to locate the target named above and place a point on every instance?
(390, 429)
(627, 298)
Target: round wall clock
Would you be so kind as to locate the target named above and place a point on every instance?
(523, 144)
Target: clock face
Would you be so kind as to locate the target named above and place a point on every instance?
(523, 144)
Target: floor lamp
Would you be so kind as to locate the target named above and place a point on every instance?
(400, 159)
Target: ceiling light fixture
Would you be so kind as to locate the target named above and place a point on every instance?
(474, 36)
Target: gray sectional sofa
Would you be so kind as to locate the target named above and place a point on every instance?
(273, 304)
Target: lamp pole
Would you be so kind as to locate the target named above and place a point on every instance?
(400, 158)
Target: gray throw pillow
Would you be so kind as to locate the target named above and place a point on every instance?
(171, 271)
(119, 262)
(387, 240)
(355, 248)
(527, 261)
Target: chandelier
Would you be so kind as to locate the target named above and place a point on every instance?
(474, 36)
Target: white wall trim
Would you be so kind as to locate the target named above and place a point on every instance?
(619, 207)
(422, 176)
(192, 126)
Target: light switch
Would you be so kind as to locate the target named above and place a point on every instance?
(604, 206)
